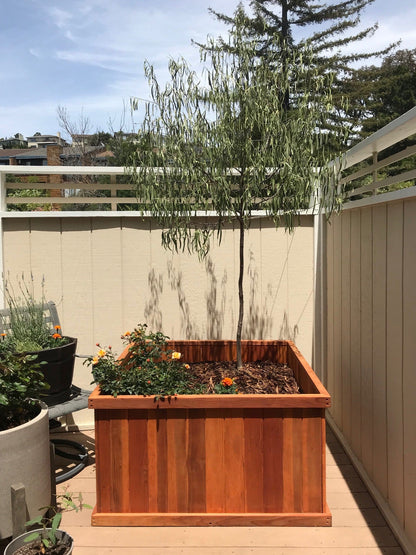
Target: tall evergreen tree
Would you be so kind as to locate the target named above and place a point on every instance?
(394, 90)
(329, 29)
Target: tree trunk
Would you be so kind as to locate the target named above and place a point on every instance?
(240, 294)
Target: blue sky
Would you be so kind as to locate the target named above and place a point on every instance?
(87, 55)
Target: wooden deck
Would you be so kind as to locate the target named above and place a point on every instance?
(358, 526)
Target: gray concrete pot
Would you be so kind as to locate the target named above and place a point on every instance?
(25, 459)
(19, 542)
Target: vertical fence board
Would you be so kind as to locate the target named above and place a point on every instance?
(409, 372)
(45, 245)
(395, 357)
(355, 345)
(366, 345)
(105, 275)
(379, 442)
(346, 323)
(337, 392)
(330, 321)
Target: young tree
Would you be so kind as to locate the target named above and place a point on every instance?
(228, 144)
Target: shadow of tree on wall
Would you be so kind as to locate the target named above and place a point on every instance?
(215, 315)
(152, 312)
(287, 331)
(258, 321)
(259, 311)
(188, 326)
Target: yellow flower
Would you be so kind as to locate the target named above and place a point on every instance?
(95, 360)
(176, 355)
(101, 353)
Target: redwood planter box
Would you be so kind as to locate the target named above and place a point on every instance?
(220, 460)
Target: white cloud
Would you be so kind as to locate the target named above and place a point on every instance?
(34, 52)
(61, 18)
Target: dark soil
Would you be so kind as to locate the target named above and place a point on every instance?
(254, 377)
(35, 548)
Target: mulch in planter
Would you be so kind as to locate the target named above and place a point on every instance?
(254, 377)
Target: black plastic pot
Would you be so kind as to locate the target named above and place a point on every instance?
(58, 370)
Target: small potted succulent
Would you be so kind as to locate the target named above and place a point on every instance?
(48, 539)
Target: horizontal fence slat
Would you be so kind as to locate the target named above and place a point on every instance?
(406, 153)
(393, 180)
(70, 200)
(67, 185)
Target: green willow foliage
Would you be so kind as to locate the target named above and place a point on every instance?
(226, 142)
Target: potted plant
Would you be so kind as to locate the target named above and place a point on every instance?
(49, 539)
(169, 452)
(245, 144)
(25, 330)
(24, 437)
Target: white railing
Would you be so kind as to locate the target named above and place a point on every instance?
(367, 171)
(72, 182)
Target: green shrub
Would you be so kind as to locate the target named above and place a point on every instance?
(149, 368)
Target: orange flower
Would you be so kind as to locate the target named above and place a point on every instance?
(227, 382)
(127, 333)
(95, 360)
(3, 334)
(101, 353)
(57, 328)
(57, 336)
(187, 366)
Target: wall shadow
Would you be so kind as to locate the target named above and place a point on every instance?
(258, 321)
(152, 312)
(188, 326)
(216, 298)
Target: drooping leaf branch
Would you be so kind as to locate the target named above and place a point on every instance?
(226, 142)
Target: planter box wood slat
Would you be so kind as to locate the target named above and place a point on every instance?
(214, 459)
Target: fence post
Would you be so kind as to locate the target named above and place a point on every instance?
(3, 208)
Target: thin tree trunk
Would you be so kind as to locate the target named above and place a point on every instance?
(240, 295)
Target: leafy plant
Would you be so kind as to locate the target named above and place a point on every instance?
(149, 368)
(20, 385)
(28, 331)
(46, 540)
(226, 386)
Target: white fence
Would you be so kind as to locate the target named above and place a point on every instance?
(368, 300)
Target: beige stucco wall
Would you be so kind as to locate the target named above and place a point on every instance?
(108, 274)
(371, 345)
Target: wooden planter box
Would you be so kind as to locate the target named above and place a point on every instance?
(214, 460)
